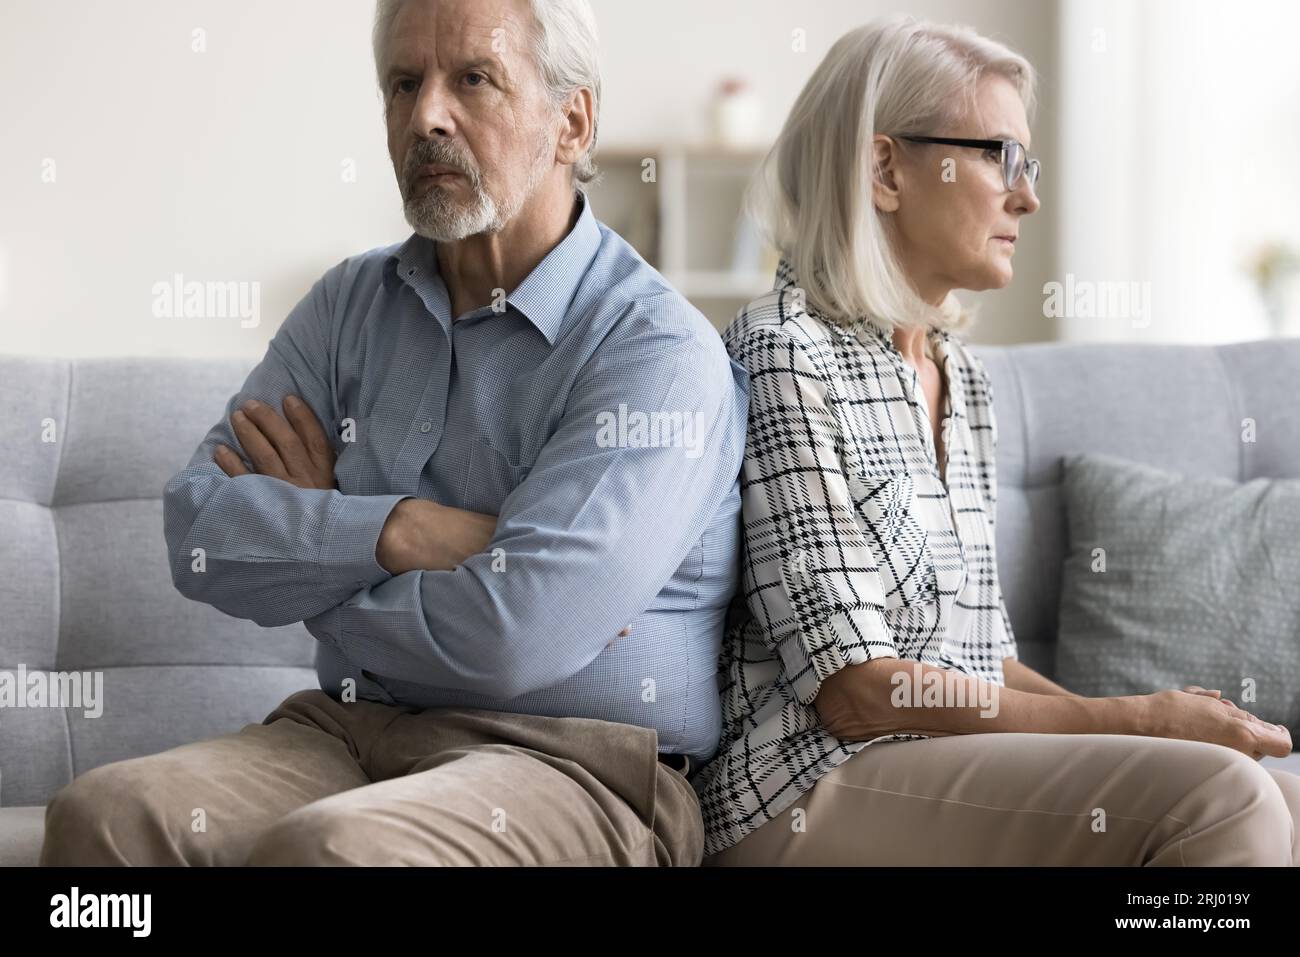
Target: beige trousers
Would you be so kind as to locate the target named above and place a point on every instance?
(319, 782)
(1030, 799)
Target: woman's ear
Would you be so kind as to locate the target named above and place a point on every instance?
(886, 178)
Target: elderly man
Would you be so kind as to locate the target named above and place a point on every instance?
(495, 471)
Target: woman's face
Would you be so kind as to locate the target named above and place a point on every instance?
(947, 206)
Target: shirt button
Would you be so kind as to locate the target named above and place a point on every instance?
(425, 427)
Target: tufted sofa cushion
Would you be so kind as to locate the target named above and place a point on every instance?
(84, 584)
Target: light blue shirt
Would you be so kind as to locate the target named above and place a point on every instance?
(598, 416)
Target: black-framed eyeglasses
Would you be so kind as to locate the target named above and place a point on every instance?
(1014, 161)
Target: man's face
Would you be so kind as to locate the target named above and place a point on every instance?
(471, 131)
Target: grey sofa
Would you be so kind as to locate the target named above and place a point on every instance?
(84, 584)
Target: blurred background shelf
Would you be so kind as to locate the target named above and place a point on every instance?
(681, 206)
(680, 79)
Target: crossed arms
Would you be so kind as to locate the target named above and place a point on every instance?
(402, 599)
(418, 534)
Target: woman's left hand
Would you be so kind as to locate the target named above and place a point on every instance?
(1215, 693)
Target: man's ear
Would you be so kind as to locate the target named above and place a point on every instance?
(577, 127)
(887, 175)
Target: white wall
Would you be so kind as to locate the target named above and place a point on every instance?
(223, 165)
(1180, 130)
(226, 165)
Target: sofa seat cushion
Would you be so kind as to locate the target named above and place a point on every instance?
(22, 829)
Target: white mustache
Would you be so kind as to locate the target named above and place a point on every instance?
(415, 162)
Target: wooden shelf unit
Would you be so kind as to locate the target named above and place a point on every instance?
(680, 207)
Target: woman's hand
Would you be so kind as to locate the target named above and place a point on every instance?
(1215, 693)
(1196, 714)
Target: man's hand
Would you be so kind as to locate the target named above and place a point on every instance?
(426, 535)
(295, 451)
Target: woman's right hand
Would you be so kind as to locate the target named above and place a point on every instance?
(1200, 715)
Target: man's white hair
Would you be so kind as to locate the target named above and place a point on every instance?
(565, 47)
(812, 195)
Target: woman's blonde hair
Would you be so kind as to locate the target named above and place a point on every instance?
(812, 194)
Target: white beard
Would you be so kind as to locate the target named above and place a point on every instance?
(437, 216)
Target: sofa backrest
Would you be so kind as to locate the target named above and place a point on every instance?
(85, 588)
(84, 582)
(1177, 407)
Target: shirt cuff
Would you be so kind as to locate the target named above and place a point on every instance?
(850, 636)
(351, 538)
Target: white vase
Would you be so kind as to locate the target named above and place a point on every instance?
(738, 118)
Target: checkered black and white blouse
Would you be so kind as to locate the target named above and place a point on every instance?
(853, 548)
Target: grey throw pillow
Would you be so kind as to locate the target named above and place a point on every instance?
(1172, 580)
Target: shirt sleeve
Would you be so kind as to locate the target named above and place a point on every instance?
(811, 576)
(583, 544)
(1004, 637)
(1008, 638)
(257, 547)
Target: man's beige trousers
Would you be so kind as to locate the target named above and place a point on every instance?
(323, 782)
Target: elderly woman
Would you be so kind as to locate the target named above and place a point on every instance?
(875, 711)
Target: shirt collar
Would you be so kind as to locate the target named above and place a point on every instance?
(940, 339)
(545, 293)
(785, 277)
